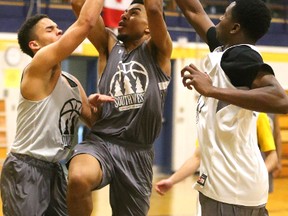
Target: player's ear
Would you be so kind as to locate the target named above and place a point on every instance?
(236, 28)
(33, 45)
(147, 31)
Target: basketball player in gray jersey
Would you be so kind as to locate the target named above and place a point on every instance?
(134, 68)
(33, 180)
(233, 177)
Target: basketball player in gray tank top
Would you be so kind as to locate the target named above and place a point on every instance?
(134, 68)
(33, 180)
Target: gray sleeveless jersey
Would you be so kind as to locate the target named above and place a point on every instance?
(45, 128)
(139, 87)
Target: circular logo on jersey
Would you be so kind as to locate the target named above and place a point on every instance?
(69, 116)
(128, 85)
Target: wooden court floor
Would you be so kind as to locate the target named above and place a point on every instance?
(181, 200)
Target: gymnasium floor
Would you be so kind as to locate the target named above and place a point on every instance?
(181, 200)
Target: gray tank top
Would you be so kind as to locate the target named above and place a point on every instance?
(139, 87)
(45, 128)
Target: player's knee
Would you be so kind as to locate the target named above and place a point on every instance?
(77, 182)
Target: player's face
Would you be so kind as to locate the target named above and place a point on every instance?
(226, 25)
(133, 23)
(47, 32)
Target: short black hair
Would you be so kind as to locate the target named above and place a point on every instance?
(26, 33)
(137, 2)
(253, 16)
(142, 2)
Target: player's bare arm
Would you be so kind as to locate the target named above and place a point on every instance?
(196, 16)
(266, 94)
(100, 36)
(45, 68)
(160, 38)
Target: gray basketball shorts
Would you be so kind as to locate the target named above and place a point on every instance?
(212, 207)
(32, 187)
(128, 171)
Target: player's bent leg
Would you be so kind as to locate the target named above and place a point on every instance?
(84, 175)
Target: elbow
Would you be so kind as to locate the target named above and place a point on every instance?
(279, 104)
(91, 23)
(284, 107)
(87, 21)
(280, 110)
(283, 102)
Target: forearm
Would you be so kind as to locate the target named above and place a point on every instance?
(160, 41)
(157, 26)
(266, 99)
(277, 137)
(90, 11)
(271, 161)
(88, 115)
(187, 6)
(196, 16)
(186, 170)
(98, 35)
(76, 6)
(155, 6)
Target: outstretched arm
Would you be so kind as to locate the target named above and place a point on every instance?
(160, 39)
(42, 73)
(187, 169)
(101, 38)
(49, 56)
(266, 95)
(196, 16)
